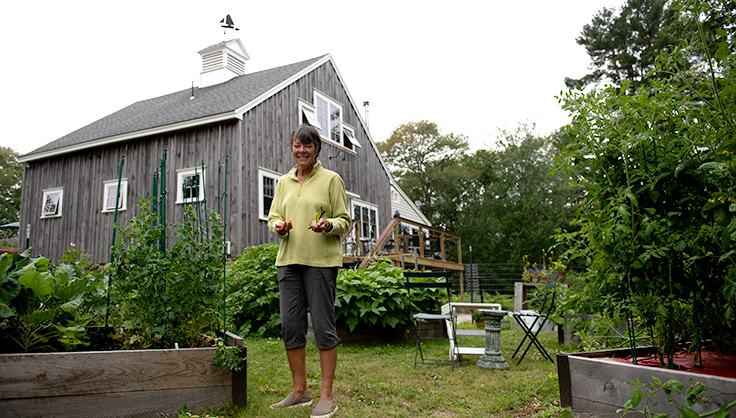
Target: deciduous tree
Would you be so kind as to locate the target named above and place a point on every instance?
(424, 162)
(11, 176)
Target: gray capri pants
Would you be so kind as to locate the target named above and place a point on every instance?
(313, 287)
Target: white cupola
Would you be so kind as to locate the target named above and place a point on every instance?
(222, 62)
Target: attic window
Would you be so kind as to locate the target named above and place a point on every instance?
(329, 115)
(52, 203)
(190, 185)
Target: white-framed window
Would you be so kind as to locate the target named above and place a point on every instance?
(267, 180)
(190, 185)
(329, 117)
(111, 192)
(308, 114)
(53, 200)
(349, 139)
(367, 216)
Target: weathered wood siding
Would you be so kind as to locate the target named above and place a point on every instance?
(82, 175)
(261, 139)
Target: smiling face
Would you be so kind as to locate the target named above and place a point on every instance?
(305, 154)
(305, 146)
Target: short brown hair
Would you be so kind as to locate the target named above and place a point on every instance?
(307, 134)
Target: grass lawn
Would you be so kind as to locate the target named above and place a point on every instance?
(382, 382)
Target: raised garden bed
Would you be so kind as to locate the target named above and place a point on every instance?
(597, 383)
(128, 383)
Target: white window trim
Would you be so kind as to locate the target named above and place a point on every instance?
(59, 203)
(112, 185)
(187, 172)
(263, 172)
(330, 102)
(349, 133)
(308, 114)
(370, 206)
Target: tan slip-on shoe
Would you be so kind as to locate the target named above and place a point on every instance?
(292, 401)
(325, 408)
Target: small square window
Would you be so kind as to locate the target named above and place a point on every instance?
(52, 203)
(190, 185)
(111, 192)
(267, 181)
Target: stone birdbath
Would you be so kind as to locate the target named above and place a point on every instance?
(492, 358)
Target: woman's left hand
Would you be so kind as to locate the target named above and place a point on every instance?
(321, 226)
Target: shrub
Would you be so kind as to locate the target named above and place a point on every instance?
(253, 292)
(370, 296)
(376, 295)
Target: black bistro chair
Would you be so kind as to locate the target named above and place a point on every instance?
(531, 332)
(416, 284)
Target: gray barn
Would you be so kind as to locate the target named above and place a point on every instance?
(69, 185)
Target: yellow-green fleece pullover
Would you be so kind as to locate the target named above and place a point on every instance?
(323, 189)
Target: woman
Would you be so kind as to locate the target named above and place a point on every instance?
(309, 213)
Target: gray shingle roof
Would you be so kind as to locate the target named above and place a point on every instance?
(177, 107)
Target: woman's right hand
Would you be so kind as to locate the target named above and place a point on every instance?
(282, 227)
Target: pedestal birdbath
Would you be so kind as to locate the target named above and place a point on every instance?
(492, 359)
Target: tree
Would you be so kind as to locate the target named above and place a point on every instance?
(517, 199)
(425, 164)
(624, 45)
(11, 176)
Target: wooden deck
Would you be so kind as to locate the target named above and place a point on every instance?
(407, 244)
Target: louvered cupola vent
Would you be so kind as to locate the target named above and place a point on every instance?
(235, 65)
(222, 62)
(211, 62)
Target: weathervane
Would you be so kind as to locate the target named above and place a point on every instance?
(227, 23)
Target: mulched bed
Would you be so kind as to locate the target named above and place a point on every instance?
(714, 363)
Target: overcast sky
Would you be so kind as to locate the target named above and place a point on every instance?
(470, 66)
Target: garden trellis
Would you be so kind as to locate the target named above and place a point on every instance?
(168, 276)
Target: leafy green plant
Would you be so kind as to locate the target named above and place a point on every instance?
(253, 292)
(659, 217)
(45, 307)
(170, 296)
(694, 394)
(227, 357)
(375, 295)
(371, 295)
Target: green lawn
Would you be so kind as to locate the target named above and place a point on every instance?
(382, 382)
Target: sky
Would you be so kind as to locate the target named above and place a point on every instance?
(472, 67)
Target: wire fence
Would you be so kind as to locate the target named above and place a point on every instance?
(492, 278)
(495, 278)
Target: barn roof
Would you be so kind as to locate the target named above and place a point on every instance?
(223, 101)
